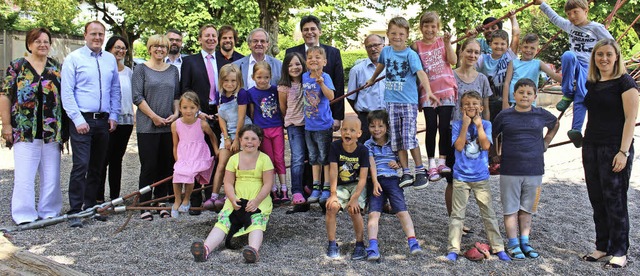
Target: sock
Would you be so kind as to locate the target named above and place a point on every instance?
(214, 195)
(316, 185)
(359, 243)
(441, 161)
(373, 244)
(524, 244)
(326, 186)
(513, 242)
(406, 171)
(283, 188)
(420, 169)
(333, 243)
(432, 162)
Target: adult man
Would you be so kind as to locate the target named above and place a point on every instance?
(174, 57)
(371, 98)
(200, 74)
(258, 40)
(227, 38)
(91, 97)
(311, 32)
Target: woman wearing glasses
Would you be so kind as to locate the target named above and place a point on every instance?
(156, 90)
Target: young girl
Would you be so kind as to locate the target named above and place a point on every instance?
(437, 56)
(266, 114)
(192, 155)
(232, 115)
(249, 175)
(291, 105)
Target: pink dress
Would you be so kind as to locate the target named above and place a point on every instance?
(194, 158)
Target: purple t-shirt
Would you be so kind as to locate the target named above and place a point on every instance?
(523, 140)
(243, 98)
(266, 112)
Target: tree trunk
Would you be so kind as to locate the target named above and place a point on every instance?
(269, 20)
(20, 262)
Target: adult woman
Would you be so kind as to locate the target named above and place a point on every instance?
(119, 138)
(156, 90)
(32, 119)
(607, 151)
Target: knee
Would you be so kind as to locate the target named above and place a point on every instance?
(333, 208)
(568, 56)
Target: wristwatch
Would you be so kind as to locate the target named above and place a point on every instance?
(626, 153)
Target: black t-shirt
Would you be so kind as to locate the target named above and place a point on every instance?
(605, 119)
(349, 163)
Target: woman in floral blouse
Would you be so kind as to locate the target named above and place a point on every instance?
(32, 121)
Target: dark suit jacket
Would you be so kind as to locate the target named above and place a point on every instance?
(194, 77)
(336, 72)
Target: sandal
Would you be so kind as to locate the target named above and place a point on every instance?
(285, 197)
(609, 264)
(146, 216)
(164, 214)
(274, 197)
(531, 253)
(515, 253)
(590, 258)
(298, 199)
(199, 251)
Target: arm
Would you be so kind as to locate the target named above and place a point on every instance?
(461, 141)
(176, 112)
(515, 32)
(212, 136)
(424, 81)
(267, 183)
(67, 95)
(242, 114)
(507, 86)
(353, 206)
(486, 114)
(556, 19)
(282, 101)
(483, 139)
(224, 131)
(373, 78)
(326, 91)
(157, 120)
(5, 104)
(630, 106)
(114, 93)
(377, 189)
(352, 85)
(452, 58)
(550, 134)
(552, 74)
(176, 139)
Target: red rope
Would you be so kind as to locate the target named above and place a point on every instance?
(479, 29)
(628, 28)
(616, 7)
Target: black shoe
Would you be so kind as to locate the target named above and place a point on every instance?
(195, 212)
(299, 209)
(99, 217)
(75, 223)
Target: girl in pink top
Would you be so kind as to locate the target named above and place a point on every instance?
(192, 155)
(437, 56)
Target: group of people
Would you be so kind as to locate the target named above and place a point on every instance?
(217, 111)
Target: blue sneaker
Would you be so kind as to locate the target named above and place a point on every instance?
(333, 252)
(315, 195)
(359, 253)
(373, 254)
(325, 195)
(452, 256)
(414, 248)
(503, 256)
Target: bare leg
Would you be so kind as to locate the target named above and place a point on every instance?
(404, 158)
(358, 226)
(325, 171)
(372, 225)
(416, 155)
(511, 225)
(255, 239)
(177, 192)
(316, 170)
(525, 223)
(188, 189)
(407, 223)
(222, 164)
(330, 220)
(215, 238)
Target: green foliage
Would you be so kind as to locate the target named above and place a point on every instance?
(58, 16)
(286, 42)
(349, 59)
(339, 23)
(8, 17)
(140, 50)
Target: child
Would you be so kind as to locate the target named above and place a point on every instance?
(349, 163)
(471, 138)
(384, 175)
(191, 152)
(291, 106)
(232, 115)
(318, 90)
(437, 56)
(583, 36)
(266, 114)
(484, 46)
(249, 175)
(522, 164)
(525, 67)
(402, 65)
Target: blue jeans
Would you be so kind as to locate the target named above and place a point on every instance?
(574, 70)
(318, 144)
(390, 190)
(298, 147)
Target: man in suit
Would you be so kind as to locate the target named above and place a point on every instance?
(200, 74)
(258, 40)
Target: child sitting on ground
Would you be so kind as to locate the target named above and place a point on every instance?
(384, 175)
(249, 176)
(522, 164)
(471, 138)
(348, 166)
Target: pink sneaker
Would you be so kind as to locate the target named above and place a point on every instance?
(298, 199)
(443, 169)
(434, 175)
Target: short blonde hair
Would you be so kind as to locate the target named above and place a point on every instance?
(430, 17)
(400, 22)
(230, 69)
(157, 40)
(576, 4)
(618, 66)
(261, 65)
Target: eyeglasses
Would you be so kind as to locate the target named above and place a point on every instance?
(375, 45)
(256, 41)
(118, 48)
(159, 46)
(39, 42)
(175, 39)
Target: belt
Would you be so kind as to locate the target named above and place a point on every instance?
(95, 115)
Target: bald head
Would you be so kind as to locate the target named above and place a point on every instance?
(352, 121)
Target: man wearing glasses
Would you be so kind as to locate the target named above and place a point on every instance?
(175, 47)
(258, 44)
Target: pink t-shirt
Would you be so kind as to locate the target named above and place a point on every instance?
(295, 104)
(441, 79)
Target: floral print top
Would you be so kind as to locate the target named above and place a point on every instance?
(36, 107)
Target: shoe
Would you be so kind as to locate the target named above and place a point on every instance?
(219, 203)
(359, 253)
(75, 223)
(164, 214)
(209, 204)
(592, 259)
(415, 248)
(373, 254)
(494, 169)
(421, 181)
(406, 180)
(175, 213)
(443, 169)
(563, 104)
(433, 175)
(315, 196)
(275, 198)
(199, 252)
(452, 256)
(529, 251)
(610, 264)
(576, 137)
(284, 196)
(100, 217)
(503, 256)
(333, 252)
(515, 253)
(324, 196)
(473, 254)
(184, 208)
(250, 254)
(195, 212)
(298, 198)
(146, 216)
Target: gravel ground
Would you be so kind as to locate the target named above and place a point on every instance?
(295, 243)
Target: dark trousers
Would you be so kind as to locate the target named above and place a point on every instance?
(118, 140)
(438, 119)
(608, 197)
(156, 162)
(364, 125)
(89, 152)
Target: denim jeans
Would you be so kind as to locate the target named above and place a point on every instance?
(318, 144)
(298, 147)
(573, 69)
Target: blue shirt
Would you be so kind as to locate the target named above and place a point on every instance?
(317, 113)
(495, 69)
(484, 46)
(523, 142)
(472, 163)
(382, 155)
(401, 68)
(370, 98)
(266, 112)
(90, 83)
(529, 69)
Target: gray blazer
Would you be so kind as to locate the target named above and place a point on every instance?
(276, 69)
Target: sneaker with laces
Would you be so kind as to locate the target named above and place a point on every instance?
(333, 252)
(359, 253)
(406, 180)
(315, 196)
(433, 175)
(563, 104)
(421, 181)
(373, 254)
(324, 196)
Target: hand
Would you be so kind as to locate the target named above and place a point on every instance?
(369, 82)
(205, 116)
(546, 146)
(394, 165)
(377, 189)
(7, 133)
(235, 146)
(619, 162)
(320, 79)
(252, 205)
(446, 38)
(505, 105)
(234, 203)
(512, 14)
(171, 118)
(466, 120)
(472, 32)
(112, 125)
(477, 120)
(434, 100)
(227, 143)
(353, 207)
(82, 128)
(336, 125)
(159, 121)
(333, 201)
(216, 152)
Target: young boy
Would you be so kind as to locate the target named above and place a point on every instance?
(349, 163)
(401, 95)
(525, 67)
(471, 138)
(384, 175)
(318, 128)
(522, 164)
(583, 35)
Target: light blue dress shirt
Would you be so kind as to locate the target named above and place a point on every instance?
(371, 98)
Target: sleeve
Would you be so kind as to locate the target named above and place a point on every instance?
(176, 92)
(488, 129)
(627, 82)
(137, 84)
(479, 63)
(414, 62)
(353, 82)
(114, 93)
(243, 97)
(455, 132)
(363, 156)
(232, 164)
(369, 147)
(556, 19)
(329, 83)
(601, 32)
(333, 153)
(267, 165)
(337, 109)
(549, 119)
(383, 55)
(67, 87)
(9, 82)
(511, 55)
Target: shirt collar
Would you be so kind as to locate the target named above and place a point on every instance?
(179, 59)
(306, 48)
(205, 54)
(253, 60)
(91, 53)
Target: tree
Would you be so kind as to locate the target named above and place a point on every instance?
(57, 16)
